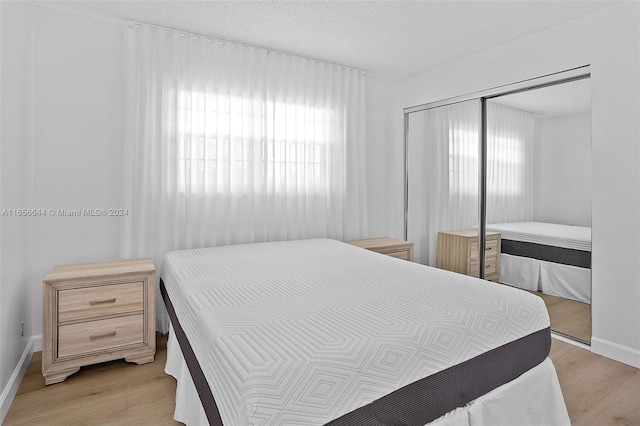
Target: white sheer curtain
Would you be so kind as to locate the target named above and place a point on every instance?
(509, 164)
(443, 174)
(226, 143)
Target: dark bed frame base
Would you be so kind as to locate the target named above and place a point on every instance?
(564, 256)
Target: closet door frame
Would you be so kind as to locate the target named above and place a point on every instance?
(567, 76)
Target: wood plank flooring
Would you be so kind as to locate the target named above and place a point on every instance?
(598, 391)
(112, 393)
(568, 316)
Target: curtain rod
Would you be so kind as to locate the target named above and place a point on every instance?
(67, 8)
(236, 43)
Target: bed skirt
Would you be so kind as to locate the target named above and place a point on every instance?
(555, 279)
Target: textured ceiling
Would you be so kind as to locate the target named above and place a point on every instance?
(393, 38)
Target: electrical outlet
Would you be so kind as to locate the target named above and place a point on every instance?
(22, 329)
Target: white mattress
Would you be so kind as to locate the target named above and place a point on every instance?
(283, 338)
(535, 396)
(550, 234)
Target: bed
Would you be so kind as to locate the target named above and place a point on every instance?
(323, 332)
(552, 258)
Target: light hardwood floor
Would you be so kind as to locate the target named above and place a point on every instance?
(569, 316)
(597, 390)
(111, 393)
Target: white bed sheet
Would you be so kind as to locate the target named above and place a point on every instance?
(535, 395)
(550, 234)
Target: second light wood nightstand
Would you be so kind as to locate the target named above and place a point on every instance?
(458, 252)
(97, 312)
(389, 246)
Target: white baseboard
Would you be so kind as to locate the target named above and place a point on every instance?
(9, 392)
(616, 351)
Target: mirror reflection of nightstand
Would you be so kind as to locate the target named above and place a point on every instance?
(458, 252)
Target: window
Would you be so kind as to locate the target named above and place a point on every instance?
(505, 164)
(463, 162)
(230, 144)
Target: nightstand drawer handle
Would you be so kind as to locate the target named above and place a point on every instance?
(100, 302)
(103, 335)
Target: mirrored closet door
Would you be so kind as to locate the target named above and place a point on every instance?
(442, 188)
(510, 169)
(538, 197)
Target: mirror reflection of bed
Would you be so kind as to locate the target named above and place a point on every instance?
(553, 261)
(546, 235)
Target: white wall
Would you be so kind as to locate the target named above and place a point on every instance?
(562, 169)
(609, 41)
(16, 288)
(78, 130)
(385, 187)
(78, 102)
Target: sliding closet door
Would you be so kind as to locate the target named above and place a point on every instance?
(513, 161)
(442, 175)
(538, 197)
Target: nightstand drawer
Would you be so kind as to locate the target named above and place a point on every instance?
(399, 254)
(99, 301)
(490, 250)
(490, 266)
(101, 335)
(399, 249)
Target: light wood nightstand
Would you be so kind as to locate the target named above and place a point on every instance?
(97, 312)
(458, 252)
(389, 246)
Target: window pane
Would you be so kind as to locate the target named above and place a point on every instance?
(224, 141)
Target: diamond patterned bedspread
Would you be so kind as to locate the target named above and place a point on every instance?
(303, 332)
